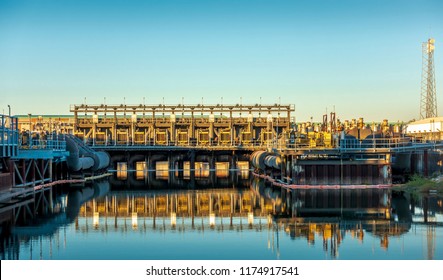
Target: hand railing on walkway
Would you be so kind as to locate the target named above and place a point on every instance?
(395, 143)
(177, 143)
(9, 136)
(44, 142)
(344, 145)
(55, 145)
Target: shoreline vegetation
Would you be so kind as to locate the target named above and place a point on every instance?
(422, 185)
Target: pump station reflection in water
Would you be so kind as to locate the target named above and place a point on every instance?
(165, 177)
(207, 217)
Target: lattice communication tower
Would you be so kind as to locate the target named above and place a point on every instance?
(428, 104)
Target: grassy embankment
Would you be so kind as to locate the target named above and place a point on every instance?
(419, 184)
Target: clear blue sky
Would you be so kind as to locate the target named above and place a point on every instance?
(363, 57)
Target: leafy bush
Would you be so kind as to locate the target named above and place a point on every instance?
(421, 184)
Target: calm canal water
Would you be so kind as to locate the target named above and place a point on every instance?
(226, 219)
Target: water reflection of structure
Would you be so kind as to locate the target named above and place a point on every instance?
(60, 213)
(194, 209)
(332, 233)
(332, 214)
(203, 177)
(105, 208)
(345, 203)
(22, 205)
(429, 210)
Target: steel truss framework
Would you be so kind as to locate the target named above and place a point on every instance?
(428, 100)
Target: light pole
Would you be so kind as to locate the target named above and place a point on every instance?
(30, 123)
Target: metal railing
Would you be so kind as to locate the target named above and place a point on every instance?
(283, 143)
(55, 145)
(253, 144)
(352, 144)
(397, 143)
(44, 142)
(9, 136)
(376, 143)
